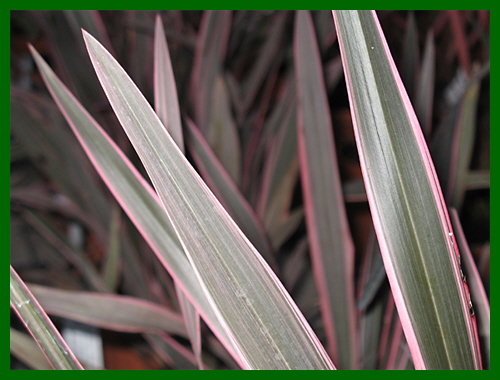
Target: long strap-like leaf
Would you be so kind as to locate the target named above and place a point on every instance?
(332, 249)
(40, 326)
(167, 108)
(410, 218)
(267, 328)
(109, 311)
(133, 193)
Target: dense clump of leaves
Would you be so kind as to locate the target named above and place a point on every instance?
(244, 199)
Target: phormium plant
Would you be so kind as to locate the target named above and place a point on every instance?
(273, 217)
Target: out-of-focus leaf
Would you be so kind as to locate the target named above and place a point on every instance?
(453, 145)
(262, 320)
(295, 264)
(376, 277)
(280, 173)
(25, 349)
(458, 26)
(410, 55)
(425, 86)
(221, 132)
(215, 346)
(134, 274)
(58, 155)
(234, 91)
(72, 254)
(404, 360)
(372, 303)
(390, 336)
(332, 249)
(479, 298)
(441, 148)
(278, 210)
(264, 60)
(134, 195)
(324, 28)
(453, 142)
(210, 50)
(139, 45)
(394, 333)
(478, 179)
(40, 326)
(62, 30)
(112, 261)
(484, 266)
(166, 103)
(371, 322)
(333, 73)
(55, 152)
(306, 295)
(463, 145)
(410, 217)
(251, 128)
(167, 108)
(270, 129)
(109, 311)
(20, 242)
(192, 320)
(354, 191)
(171, 351)
(91, 21)
(282, 232)
(209, 92)
(42, 200)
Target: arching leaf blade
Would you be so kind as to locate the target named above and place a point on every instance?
(410, 217)
(265, 325)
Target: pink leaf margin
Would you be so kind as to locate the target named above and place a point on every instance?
(120, 199)
(436, 189)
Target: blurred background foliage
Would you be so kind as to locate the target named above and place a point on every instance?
(68, 232)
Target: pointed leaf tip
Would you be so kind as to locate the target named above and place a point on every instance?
(245, 293)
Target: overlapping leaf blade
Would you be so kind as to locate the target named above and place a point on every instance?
(410, 218)
(222, 132)
(166, 103)
(280, 173)
(480, 302)
(40, 326)
(262, 320)
(134, 194)
(74, 255)
(425, 89)
(23, 347)
(167, 108)
(210, 51)
(110, 311)
(463, 144)
(171, 351)
(264, 60)
(227, 192)
(332, 249)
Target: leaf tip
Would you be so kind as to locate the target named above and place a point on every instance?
(33, 52)
(36, 55)
(89, 39)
